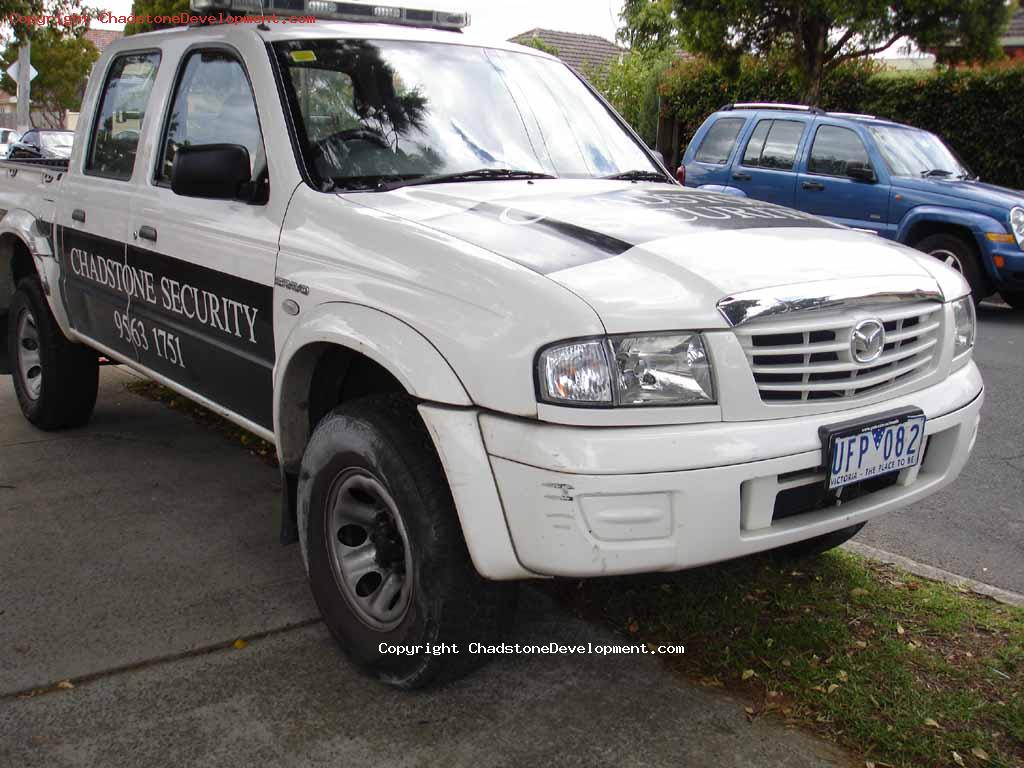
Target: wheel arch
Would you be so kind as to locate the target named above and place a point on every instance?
(351, 350)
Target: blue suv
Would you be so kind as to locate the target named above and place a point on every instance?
(896, 181)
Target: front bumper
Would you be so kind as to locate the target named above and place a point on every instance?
(589, 501)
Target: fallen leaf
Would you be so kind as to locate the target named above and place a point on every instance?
(843, 677)
(899, 629)
(239, 644)
(832, 687)
(786, 663)
(980, 753)
(957, 759)
(747, 674)
(858, 592)
(65, 685)
(749, 710)
(868, 764)
(932, 723)
(860, 644)
(769, 642)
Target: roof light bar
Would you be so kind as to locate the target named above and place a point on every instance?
(336, 11)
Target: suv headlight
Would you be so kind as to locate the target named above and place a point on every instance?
(627, 371)
(965, 326)
(1017, 225)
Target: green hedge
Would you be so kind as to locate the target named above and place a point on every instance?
(979, 113)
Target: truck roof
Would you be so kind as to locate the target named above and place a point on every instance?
(324, 30)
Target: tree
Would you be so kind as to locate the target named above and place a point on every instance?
(151, 8)
(648, 25)
(63, 62)
(819, 35)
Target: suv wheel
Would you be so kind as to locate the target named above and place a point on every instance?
(387, 562)
(56, 381)
(959, 254)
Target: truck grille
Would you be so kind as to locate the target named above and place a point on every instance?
(809, 357)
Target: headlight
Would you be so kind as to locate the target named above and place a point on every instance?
(1017, 225)
(634, 370)
(965, 325)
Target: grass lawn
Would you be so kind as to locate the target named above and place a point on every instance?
(906, 671)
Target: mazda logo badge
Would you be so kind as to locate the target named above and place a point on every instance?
(868, 341)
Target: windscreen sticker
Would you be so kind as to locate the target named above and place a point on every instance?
(548, 235)
(303, 57)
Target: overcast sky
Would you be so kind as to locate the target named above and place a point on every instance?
(501, 18)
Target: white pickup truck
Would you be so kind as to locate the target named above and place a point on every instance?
(490, 336)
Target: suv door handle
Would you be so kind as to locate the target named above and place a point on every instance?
(146, 232)
(814, 186)
(78, 215)
(740, 176)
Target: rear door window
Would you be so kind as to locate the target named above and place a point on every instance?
(834, 150)
(719, 141)
(115, 137)
(773, 144)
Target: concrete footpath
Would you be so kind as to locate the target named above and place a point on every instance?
(133, 552)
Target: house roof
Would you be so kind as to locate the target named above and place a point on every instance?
(576, 50)
(1016, 28)
(101, 38)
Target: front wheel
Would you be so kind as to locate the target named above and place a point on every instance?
(387, 562)
(959, 254)
(56, 380)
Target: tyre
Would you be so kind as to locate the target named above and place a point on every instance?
(961, 255)
(819, 545)
(1014, 298)
(55, 379)
(387, 562)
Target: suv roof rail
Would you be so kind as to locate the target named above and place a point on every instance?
(853, 114)
(770, 105)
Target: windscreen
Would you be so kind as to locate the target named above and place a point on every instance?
(57, 140)
(367, 109)
(913, 152)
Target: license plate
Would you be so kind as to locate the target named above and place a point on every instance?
(862, 450)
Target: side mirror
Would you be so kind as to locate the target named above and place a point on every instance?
(215, 171)
(861, 172)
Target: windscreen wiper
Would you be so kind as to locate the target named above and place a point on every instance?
(479, 174)
(370, 183)
(936, 172)
(639, 176)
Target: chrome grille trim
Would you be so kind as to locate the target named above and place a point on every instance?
(769, 303)
(808, 357)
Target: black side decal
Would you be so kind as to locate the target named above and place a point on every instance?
(211, 331)
(96, 284)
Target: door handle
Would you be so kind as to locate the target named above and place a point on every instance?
(78, 215)
(740, 176)
(814, 186)
(147, 233)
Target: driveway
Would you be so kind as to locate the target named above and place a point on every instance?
(975, 528)
(134, 552)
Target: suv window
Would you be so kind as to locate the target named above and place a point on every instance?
(115, 137)
(773, 144)
(719, 141)
(213, 104)
(834, 150)
(32, 137)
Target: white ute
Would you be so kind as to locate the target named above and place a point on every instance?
(490, 336)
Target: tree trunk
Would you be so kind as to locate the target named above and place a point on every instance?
(812, 37)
